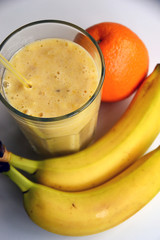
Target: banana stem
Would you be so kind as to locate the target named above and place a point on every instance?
(24, 164)
(21, 181)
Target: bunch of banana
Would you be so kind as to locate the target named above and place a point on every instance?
(119, 148)
(95, 210)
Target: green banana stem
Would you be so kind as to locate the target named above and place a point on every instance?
(21, 181)
(25, 164)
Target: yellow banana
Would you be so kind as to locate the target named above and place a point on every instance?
(95, 210)
(120, 147)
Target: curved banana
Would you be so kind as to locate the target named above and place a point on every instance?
(120, 147)
(95, 210)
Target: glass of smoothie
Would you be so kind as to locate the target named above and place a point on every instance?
(65, 67)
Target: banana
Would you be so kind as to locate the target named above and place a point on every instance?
(95, 210)
(120, 147)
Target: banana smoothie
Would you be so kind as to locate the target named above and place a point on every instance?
(64, 77)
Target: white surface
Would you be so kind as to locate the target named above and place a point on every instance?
(144, 19)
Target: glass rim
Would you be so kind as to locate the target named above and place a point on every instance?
(80, 109)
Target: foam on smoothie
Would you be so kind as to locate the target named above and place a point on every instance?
(63, 77)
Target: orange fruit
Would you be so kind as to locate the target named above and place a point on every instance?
(126, 59)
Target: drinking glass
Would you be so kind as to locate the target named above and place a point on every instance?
(68, 133)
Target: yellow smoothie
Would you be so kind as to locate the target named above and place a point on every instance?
(64, 76)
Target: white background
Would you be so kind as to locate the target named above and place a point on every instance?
(143, 17)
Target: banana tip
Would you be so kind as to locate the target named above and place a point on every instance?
(4, 167)
(2, 149)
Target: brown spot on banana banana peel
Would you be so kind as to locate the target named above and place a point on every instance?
(73, 205)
